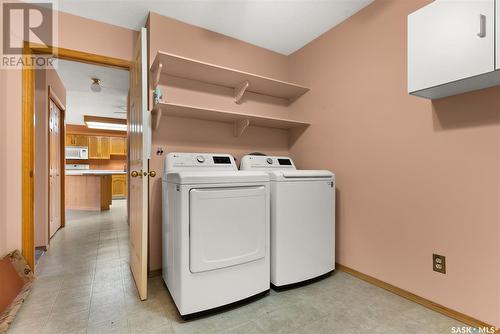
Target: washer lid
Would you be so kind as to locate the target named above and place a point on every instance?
(301, 175)
(204, 177)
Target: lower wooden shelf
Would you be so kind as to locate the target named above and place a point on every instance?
(240, 121)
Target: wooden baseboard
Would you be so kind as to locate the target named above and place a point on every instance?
(417, 299)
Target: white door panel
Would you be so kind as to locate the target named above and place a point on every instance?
(227, 227)
(54, 168)
(444, 45)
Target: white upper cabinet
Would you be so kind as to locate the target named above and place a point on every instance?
(497, 6)
(449, 42)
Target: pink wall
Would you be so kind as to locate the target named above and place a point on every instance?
(183, 39)
(414, 177)
(10, 191)
(177, 134)
(3, 163)
(43, 79)
(98, 38)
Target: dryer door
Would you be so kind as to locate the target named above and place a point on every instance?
(227, 226)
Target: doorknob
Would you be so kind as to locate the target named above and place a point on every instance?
(134, 173)
(152, 173)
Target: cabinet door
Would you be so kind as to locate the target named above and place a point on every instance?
(117, 145)
(80, 140)
(93, 142)
(69, 140)
(450, 40)
(119, 185)
(104, 148)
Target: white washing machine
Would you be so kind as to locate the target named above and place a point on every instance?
(215, 232)
(302, 220)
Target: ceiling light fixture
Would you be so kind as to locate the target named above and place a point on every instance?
(107, 126)
(105, 123)
(95, 86)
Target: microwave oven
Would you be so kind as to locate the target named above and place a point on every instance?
(77, 152)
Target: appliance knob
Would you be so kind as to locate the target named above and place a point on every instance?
(200, 159)
(269, 161)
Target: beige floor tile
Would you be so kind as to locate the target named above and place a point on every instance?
(249, 327)
(85, 286)
(147, 319)
(114, 327)
(67, 323)
(286, 319)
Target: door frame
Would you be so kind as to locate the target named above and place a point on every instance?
(28, 132)
(62, 133)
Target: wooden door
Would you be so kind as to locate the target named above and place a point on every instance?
(450, 41)
(93, 142)
(139, 130)
(54, 168)
(104, 148)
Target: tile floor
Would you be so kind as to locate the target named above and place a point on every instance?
(84, 285)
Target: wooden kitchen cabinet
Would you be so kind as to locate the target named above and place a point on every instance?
(104, 147)
(119, 185)
(99, 147)
(76, 140)
(118, 146)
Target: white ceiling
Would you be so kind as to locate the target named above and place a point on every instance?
(283, 26)
(111, 101)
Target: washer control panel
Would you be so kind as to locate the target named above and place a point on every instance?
(199, 160)
(257, 162)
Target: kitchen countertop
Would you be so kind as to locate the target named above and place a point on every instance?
(94, 172)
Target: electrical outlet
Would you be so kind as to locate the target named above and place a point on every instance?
(439, 263)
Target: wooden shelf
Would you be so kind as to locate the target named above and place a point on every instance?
(166, 63)
(240, 121)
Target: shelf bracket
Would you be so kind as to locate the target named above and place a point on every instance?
(240, 90)
(240, 127)
(157, 74)
(156, 113)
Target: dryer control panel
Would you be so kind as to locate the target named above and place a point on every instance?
(197, 161)
(257, 162)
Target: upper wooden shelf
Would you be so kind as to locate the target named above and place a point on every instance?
(240, 121)
(240, 81)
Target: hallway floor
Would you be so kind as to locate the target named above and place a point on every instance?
(84, 285)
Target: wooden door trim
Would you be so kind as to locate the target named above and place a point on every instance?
(57, 101)
(28, 135)
(28, 161)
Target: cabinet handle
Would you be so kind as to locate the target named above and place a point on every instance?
(482, 26)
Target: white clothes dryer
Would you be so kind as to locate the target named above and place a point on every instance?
(215, 232)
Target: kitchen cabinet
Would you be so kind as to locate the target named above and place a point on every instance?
(99, 147)
(451, 48)
(104, 147)
(88, 192)
(76, 140)
(119, 185)
(118, 146)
